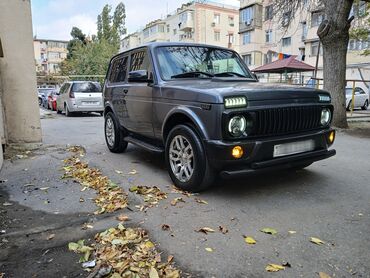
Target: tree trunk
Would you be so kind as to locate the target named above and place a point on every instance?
(334, 35)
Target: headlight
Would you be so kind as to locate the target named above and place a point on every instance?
(235, 102)
(237, 126)
(325, 117)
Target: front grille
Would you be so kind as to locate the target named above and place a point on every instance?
(277, 121)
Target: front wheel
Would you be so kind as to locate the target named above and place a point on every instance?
(366, 105)
(186, 160)
(113, 134)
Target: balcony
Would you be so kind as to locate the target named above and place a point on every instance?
(187, 25)
(250, 18)
(246, 3)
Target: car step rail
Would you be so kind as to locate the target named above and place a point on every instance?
(143, 144)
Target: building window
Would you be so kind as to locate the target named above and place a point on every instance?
(217, 36)
(217, 18)
(161, 28)
(315, 49)
(269, 36)
(316, 18)
(269, 12)
(247, 59)
(304, 30)
(358, 45)
(174, 31)
(231, 38)
(231, 21)
(286, 18)
(267, 58)
(146, 33)
(247, 16)
(247, 37)
(168, 28)
(287, 41)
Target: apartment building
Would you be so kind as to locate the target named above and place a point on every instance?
(198, 21)
(49, 54)
(264, 38)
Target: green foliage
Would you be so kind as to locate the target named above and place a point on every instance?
(91, 56)
(361, 31)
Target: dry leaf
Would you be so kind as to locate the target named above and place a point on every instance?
(200, 201)
(44, 188)
(51, 236)
(208, 249)
(166, 227)
(177, 200)
(118, 172)
(122, 218)
(169, 259)
(205, 230)
(6, 204)
(223, 230)
(132, 172)
(316, 241)
(292, 232)
(323, 275)
(249, 240)
(274, 267)
(269, 231)
(153, 273)
(82, 200)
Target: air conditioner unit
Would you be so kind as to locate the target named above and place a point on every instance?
(213, 24)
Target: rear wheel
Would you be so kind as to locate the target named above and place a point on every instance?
(366, 105)
(186, 160)
(113, 134)
(67, 112)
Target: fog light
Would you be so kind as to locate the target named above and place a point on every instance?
(331, 137)
(237, 152)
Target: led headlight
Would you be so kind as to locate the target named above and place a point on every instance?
(237, 126)
(235, 102)
(325, 117)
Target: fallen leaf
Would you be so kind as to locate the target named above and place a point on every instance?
(118, 172)
(205, 230)
(223, 230)
(316, 241)
(6, 204)
(51, 236)
(82, 200)
(149, 244)
(274, 267)
(122, 218)
(292, 232)
(72, 246)
(323, 275)
(269, 231)
(132, 172)
(89, 264)
(177, 200)
(200, 201)
(166, 227)
(169, 259)
(153, 273)
(208, 249)
(84, 188)
(44, 188)
(249, 240)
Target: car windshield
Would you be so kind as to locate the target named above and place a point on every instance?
(45, 91)
(199, 62)
(86, 87)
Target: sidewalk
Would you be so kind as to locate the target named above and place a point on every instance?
(358, 116)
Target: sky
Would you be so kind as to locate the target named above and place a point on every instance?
(54, 19)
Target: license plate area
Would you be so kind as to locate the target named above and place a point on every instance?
(293, 148)
(90, 103)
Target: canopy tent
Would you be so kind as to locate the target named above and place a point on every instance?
(287, 65)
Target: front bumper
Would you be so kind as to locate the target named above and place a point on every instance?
(258, 153)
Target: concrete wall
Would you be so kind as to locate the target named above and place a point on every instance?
(17, 73)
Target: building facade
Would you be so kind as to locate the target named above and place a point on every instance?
(198, 22)
(266, 36)
(49, 54)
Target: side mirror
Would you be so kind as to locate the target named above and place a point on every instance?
(139, 76)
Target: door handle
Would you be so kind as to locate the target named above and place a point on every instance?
(125, 91)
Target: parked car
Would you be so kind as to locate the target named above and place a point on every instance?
(43, 93)
(361, 98)
(202, 107)
(80, 96)
(52, 101)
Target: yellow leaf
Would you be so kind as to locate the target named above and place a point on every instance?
(250, 240)
(316, 240)
(323, 275)
(72, 246)
(208, 249)
(269, 231)
(274, 267)
(149, 244)
(153, 273)
(205, 230)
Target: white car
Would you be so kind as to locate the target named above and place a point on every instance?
(80, 96)
(361, 98)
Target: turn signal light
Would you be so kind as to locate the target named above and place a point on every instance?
(331, 137)
(237, 152)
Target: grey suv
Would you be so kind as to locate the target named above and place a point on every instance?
(202, 107)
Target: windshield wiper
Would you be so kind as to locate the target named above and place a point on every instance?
(192, 74)
(230, 73)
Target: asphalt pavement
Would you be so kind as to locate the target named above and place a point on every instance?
(329, 200)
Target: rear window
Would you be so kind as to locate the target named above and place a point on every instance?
(86, 87)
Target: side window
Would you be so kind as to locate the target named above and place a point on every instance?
(118, 70)
(63, 89)
(139, 61)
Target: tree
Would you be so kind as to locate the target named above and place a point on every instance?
(334, 36)
(78, 38)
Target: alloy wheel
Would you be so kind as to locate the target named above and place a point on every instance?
(109, 131)
(181, 158)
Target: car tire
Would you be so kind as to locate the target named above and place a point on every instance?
(67, 112)
(193, 162)
(113, 134)
(101, 114)
(366, 105)
(40, 102)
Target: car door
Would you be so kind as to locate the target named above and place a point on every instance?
(139, 99)
(117, 87)
(361, 97)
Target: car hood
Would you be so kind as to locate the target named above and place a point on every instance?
(215, 90)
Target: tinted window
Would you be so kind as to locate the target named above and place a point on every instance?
(139, 61)
(118, 70)
(86, 87)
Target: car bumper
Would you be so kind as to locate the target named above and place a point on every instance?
(77, 108)
(258, 153)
